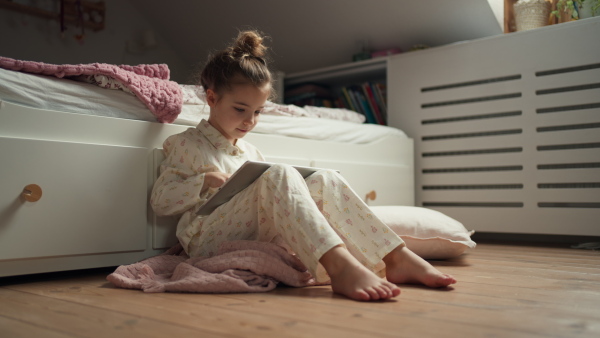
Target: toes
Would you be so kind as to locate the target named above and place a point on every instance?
(450, 279)
(362, 295)
(373, 293)
(388, 291)
(384, 292)
(378, 292)
(394, 290)
(444, 280)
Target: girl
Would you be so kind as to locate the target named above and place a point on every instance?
(320, 219)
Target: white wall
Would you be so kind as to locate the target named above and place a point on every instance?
(498, 9)
(306, 35)
(309, 34)
(26, 37)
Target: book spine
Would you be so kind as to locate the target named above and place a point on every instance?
(366, 109)
(356, 101)
(373, 103)
(370, 107)
(380, 103)
(348, 98)
(381, 94)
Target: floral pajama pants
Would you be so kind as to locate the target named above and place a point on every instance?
(310, 215)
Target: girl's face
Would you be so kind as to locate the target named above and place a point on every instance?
(235, 112)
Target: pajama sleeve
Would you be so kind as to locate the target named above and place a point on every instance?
(178, 187)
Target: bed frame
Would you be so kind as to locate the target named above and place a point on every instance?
(95, 175)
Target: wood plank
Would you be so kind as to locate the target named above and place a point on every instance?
(583, 258)
(17, 329)
(523, 263)
(517, 268)
(447, 308)
(563, 259)
(178, 309)
(457, 307)
(259, 303)
(536, 251)
(522, 291)
(82, 320)
(319, 313)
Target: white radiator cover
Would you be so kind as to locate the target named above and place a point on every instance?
(506, 129)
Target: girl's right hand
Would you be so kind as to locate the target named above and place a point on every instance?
(214, 179)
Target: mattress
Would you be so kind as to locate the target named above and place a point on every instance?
(51, 93)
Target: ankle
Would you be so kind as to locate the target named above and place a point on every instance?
(395, 256)
(336, 260)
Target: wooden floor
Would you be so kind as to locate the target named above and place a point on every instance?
(503, 291)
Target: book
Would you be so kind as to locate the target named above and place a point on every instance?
(373, 103)
(382, 97)
(367, 98)
(365, 105)
(349, 100)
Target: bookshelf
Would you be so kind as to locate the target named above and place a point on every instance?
(366, 70)
(340, 77)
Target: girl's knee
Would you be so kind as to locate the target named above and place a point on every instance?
(325, 175)
(280, 169)
(280, 172)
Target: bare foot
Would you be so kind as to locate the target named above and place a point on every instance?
(405, 267)
(351, 279)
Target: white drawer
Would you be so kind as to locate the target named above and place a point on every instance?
(392, 184)
(93, 199)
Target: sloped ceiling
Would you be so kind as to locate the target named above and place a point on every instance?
(308, 34)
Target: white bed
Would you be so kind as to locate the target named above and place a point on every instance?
(51, 93)
(94, 153)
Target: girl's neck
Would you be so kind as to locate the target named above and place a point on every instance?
(214, 125)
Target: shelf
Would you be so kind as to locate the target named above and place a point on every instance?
(342, 74)
(346, 87)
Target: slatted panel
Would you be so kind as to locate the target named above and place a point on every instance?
(506, 142)
(569, 133)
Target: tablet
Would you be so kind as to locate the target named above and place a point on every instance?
(242, 178)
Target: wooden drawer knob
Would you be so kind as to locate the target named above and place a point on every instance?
(371, 196)
(32, 193)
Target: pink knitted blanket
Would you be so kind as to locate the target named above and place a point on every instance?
(239, 266)
(149, 83)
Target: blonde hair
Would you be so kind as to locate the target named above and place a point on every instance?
(246, 57)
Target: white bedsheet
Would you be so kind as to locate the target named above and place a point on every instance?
(303, 127)
(65, 95)
(50, 93)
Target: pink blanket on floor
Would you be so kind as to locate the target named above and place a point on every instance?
(149, 83)
(239, 266)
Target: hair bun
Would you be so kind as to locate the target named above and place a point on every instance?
(249, 43)
(244, 61)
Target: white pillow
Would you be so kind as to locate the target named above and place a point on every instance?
(428, 233)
